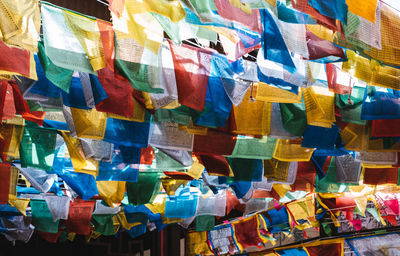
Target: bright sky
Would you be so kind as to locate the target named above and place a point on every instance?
(393, 3)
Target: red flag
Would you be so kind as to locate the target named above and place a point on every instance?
(386, 128)
(214, 143)
(192, 68)
(80, 213)
(379, 176)
(119, 92)
(215, 164)
(319, 48)
(14, 59)
(246, 233)
(5, 172)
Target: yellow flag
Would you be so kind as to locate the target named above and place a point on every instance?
(390, 52)
(20, 23)
(88, 34)
(197, 243)
(20, 204)
(79, 162)
(138, 113)
(136, 21)
(291, 150)
(363, 8)
(252, 117)
(320, 106)
(89, 124)
(112, 192)
(270, 93)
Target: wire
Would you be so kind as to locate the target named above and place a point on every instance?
(102, 2)
(194, 44)
(391, 6)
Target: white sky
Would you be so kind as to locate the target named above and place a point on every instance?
(393, 3)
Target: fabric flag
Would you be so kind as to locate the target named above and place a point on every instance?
(182, 205)
(116, 6)
(252, 117)
(169, 136)
(61, 45)
(203, 10)
(215, 164)
(335, 10)
(7, 105)
(145, 190)
(77, 156)
(293, 118)
(247, 234)
(51, 75)
(5, 182)
(214, 204)
(236, 44)
(291, 150)
(98, 149)
(103, 224)
(197, 243)
(241, 13)
(20, 64)
(270, 93)
(42, 218)
(320, 137)
(305, 7)
(177, 31)
(38, 147)
(378, 176)
(280, 171)
(112, 192)
(39, 179)
(347, 169)
(254, 148)
(80, 213)
(217, 106)
(235, 77)
(205, 222)
(90, 124)
(390, 43)
(380, 128)
(222, 240)
(138, 64)
(192, 69)
(107, 42)
(167, 80)
(273, 43)
(18, 228)
(375, 244)
(320, 106)
(12, 136)
(380, 103)
(276, 74)
(323, 50)
(360, 31)
(246, 169)
(20, 23)
(58, 206)
(136, 18)
(117, 170)
(365, 9)
(277, 129)
(127, 133)
(87, 31)
(291, 15)
(215, 142)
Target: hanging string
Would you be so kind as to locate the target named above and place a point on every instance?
(252, 99)
(106, 4)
